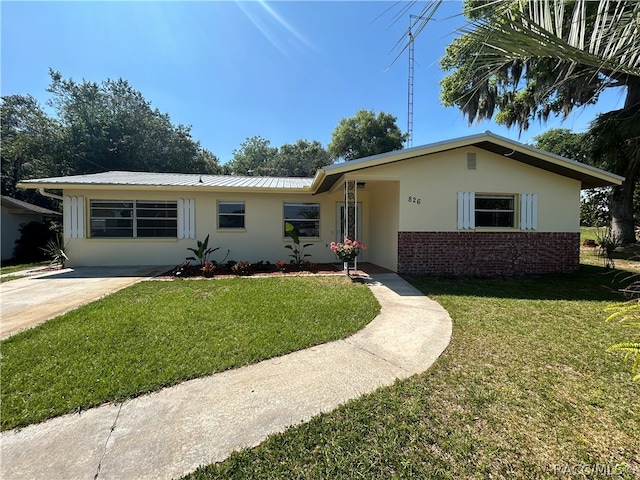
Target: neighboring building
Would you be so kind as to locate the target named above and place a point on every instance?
(477, 205)
(14, 213)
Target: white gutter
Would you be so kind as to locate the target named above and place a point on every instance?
(44, 193)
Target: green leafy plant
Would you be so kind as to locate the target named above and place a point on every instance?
(607, 244)
(203, 251)
(628, 315)
(297, 250)
(54, 249)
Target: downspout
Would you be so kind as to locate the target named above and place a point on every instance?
(44, 193)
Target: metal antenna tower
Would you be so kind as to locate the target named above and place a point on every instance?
(410, 94)
(412, 21)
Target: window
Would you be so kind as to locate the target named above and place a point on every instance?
(231, 214)
(134, 219)
(494, 211)
(305, 218)
(157, 219)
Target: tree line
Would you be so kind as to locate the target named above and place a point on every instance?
(98, 127)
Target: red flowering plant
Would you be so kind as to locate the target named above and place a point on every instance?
(348, 250)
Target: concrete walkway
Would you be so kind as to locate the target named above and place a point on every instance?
(29, 301)
(170, 433)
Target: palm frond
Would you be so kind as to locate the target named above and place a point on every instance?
(609, 42)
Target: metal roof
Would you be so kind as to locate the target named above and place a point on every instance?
(152, 179)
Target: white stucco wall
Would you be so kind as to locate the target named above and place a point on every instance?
(261, 239)
(383, 223)
(413, 195)
(435, 180)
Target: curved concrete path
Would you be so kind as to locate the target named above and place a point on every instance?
(170, 433)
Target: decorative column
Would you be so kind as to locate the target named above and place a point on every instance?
(350, 214)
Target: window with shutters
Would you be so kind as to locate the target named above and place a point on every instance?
(486, 210)
(133, 219)
(495, 211)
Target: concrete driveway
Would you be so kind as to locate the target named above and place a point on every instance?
(32, 300)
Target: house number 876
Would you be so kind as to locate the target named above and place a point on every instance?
(415, 200)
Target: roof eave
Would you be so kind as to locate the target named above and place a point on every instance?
(589, 177)
(182, 188)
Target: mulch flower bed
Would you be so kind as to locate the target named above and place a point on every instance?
(253, 270)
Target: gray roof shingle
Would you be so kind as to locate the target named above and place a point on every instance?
(26, 207)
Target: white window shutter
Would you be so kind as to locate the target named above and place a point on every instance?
(529, 211)
(73, 210)
(466, 210)
(186, 218)
(66, 216)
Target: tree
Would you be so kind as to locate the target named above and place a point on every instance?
(594, 203)
(531, 60)
(302, 159)
(256, 156)
(29, 139)
(365, 134)
(565, 143)
(110, 126)
(253, 157)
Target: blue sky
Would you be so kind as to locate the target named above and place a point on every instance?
(282, 70)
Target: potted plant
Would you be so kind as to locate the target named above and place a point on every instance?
(347, 251)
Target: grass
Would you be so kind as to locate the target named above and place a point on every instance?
(155, 334)
(590, 233)
(4, 269)
(525, 390)
(627, 259)
(11, 277)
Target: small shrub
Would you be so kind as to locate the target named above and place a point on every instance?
(241, 268)
(208, 269)
(262, 266)
(55, 251)
(34, 237)
(607, 244)
(281, 265)
(182, 270)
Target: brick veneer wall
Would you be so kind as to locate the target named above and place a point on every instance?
(487, 254)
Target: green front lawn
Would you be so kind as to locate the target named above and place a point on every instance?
(525, 390)
(155, 334)
(4, 269)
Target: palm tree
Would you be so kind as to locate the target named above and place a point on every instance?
(531, 59)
